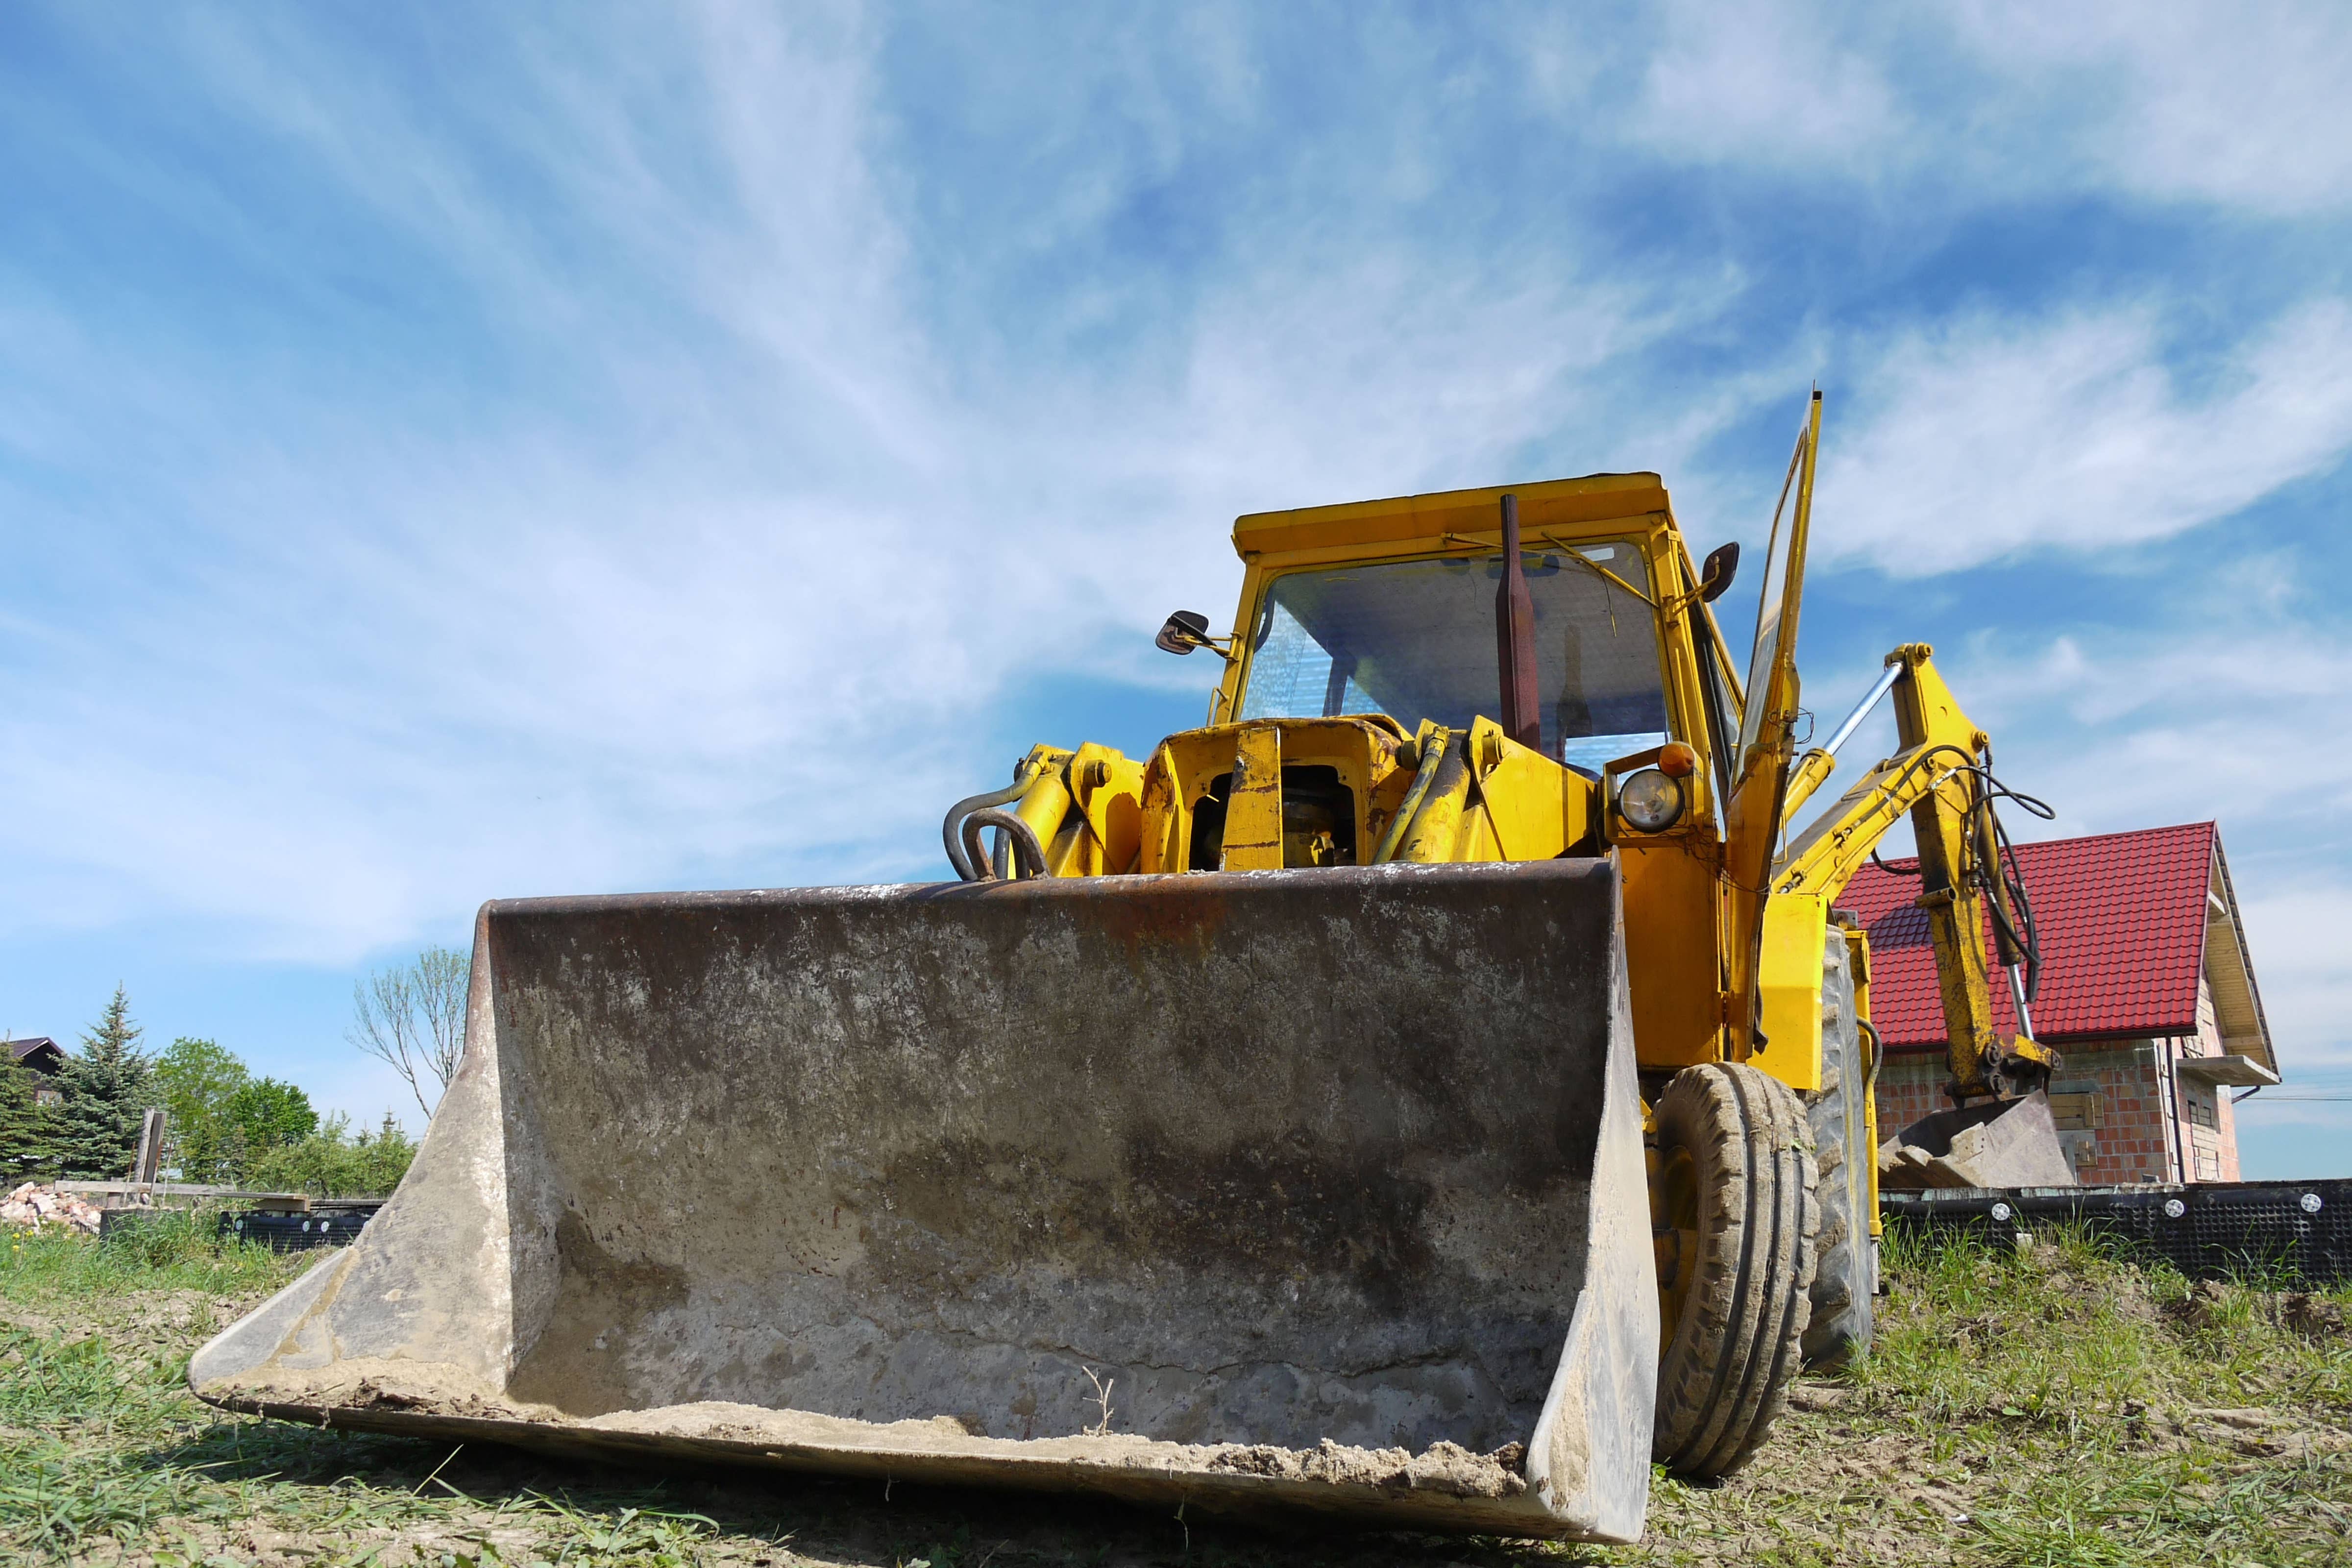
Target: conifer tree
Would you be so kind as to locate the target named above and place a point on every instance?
(105, 1086)
(27, 1137)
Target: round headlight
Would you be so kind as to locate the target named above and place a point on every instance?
(1649, 801)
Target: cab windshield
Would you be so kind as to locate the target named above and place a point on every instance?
(1415, 640)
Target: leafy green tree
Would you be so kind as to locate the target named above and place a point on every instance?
(265, 1114)
(334, 1162)
(27, 1134)
(105, 1085)
(197, 1080)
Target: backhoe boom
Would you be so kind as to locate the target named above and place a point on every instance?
(1942, 776)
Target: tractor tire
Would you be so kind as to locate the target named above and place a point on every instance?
(1732, 1209)
(1844, 1277)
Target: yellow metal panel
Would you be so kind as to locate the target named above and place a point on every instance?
(1110, 790)
(1788, 977)
(1671, 961)
(1166, 816)
(1677, 595)
(1857, 942)
(1556, 503)
(1362, 751)
(1752, 814)
(1535, 808)
(1178, 779)
(1254, 809)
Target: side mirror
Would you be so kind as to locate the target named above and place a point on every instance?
(1722, 566)
(1184, 631)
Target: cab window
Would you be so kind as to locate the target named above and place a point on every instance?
(1415, 640)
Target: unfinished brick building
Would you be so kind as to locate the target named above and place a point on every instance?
(2146, 987)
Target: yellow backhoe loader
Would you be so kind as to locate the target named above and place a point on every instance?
(1420, 1096)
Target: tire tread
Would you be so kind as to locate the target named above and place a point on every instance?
(1724, 1374)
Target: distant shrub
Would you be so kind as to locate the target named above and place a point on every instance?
(334, 1162)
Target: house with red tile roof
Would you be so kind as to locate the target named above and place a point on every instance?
(2146, 988)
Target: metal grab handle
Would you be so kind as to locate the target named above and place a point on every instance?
(1027, 851)
(964, 865)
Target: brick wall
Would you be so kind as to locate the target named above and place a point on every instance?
(2124, 1089)
(2134, 1118)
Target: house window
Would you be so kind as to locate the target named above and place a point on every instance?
(2201, 1112)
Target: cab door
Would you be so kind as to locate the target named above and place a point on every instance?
(1767, 745)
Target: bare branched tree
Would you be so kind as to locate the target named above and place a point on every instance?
(413, 1019)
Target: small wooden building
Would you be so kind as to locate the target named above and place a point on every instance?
(43, 1055)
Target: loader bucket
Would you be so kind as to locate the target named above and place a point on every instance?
(1315, 1190)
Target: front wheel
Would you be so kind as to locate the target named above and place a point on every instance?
(1733, 1218)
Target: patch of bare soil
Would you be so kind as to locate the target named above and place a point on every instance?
(164, 1322)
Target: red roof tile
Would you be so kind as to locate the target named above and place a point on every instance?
(2122, 937)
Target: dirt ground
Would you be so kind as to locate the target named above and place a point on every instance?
(2053, 1406)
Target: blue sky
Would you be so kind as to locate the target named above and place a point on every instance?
(448, 454)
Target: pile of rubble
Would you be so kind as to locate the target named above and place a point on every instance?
(33, 1205)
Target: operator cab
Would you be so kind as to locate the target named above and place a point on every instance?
(1415, 640)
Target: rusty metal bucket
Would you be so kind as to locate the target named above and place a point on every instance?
(1294, 1189)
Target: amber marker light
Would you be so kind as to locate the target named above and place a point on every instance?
(1677, 761)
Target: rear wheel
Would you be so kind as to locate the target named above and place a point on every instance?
(1843, 1276)
(1732, 1213)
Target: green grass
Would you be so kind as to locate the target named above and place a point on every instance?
(171, 1250)
(2054, 1405)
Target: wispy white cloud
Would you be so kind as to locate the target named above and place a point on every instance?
(2231, 716)
(1988, 436)
(2239, 107)
(1977, 103)
(1781, 86)
(2296, 935)
(721, 600)
(642, 451)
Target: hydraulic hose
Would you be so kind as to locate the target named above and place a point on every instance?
(1027, 851)
(966, 865)
(1423, 777)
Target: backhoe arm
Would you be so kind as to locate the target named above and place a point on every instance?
(1942, 776)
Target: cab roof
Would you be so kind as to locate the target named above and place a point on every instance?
(1562, 504)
